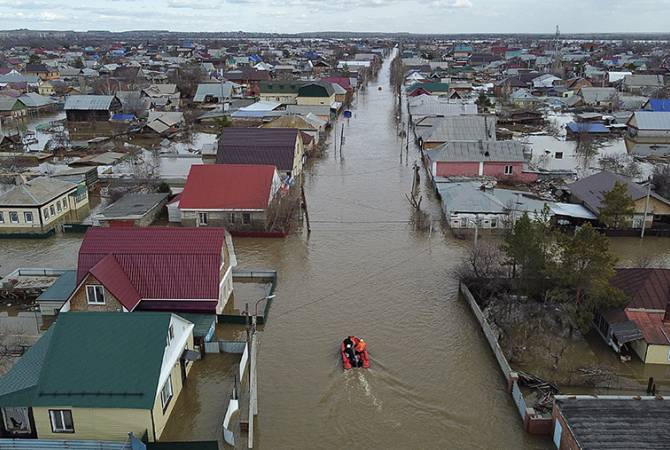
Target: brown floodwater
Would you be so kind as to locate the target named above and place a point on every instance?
(366, 269)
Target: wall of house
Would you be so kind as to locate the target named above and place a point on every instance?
(299, 155)
(447, 169)
(497, 169)
(485, 221)
(640, 347)
(567, 440)
(224, 219)
(78, 301)
(286, 99)
(161, 417)
(112, 424)
(316, 101)
(658, 354)
(64, 207)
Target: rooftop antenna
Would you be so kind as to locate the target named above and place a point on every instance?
(557, 50)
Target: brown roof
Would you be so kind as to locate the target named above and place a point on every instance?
(267, 146)
(646, 288)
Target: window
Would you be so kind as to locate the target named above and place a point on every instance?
(95, 294)
(2, 217)
(61, 421)
(58, 206)
(170, 335)
(494, 223)
(508, 170)
(202, 218)
(246, 218)
(46, 213)
(166, 393)
(232, 217)
(559, 155)
(13, 217)
(52, 210)
(28, 216)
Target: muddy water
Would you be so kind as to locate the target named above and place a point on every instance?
(366, 269)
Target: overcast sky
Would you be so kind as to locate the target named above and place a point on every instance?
(428, 16)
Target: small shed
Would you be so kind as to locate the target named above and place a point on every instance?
(133, 210)
(51, 300)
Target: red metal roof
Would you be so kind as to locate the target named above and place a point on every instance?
(158, 262)
(228, 186)
(646, 288)
(108, 272)
(651, 324)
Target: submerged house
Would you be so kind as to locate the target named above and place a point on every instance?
(98, 377)
(91, 108)
(37, 207)
(642, 325)
(237, 196)
(154, 269)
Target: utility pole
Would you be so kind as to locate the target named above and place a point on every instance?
(646, 208)
(304, 208)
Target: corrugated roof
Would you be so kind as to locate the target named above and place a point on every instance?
(61, 289)
(132, 206)
(160, 262)
(651, 120)
(610, 424)
(646, 288)
(261, 146)
(108, 272)
(89, 102)
(218, 90)
(654, 330)
(228, 187)
(459, 128)
(475, 151)
(90, 360)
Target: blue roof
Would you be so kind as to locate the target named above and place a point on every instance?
(123, 117)
(587, 127)
(659, 104)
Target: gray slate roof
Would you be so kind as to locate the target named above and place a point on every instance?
(612, 424)
(89, 102)
(651, 120)
(475, 151)
(458, 128)
(217, 90)
(132, 206)
(36, 192)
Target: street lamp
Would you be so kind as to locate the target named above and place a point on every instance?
(246, 312)
(475, 222)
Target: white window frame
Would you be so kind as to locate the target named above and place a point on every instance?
(201, 216)
(59, 208)
(510, 171)
(233, 216)
(59, 414)
(2, 217)
(166, 394)
(94, 289)
(170, 334)
(26, 214)
(246, 218)
(12, 215)
(52, 210)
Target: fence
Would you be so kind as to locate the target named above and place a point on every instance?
(533, 423)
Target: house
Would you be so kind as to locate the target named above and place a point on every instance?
(599, 97)
(430, 88)
(11, 108)
(51, 300)
(215, 93)
(284, 92)
(250, 79)
(610, 422)
(42, 71)
(436, 106)
(498, 159)
(133, 210)
(36, 103)
(470, 204)
(648, 133)
(642, 325)
(164, 122)
(91, 108)
(545, 81)
(37, 207)
(154, 269)
(589, 192)
(162, 96)
(522, 98)
(432, 132)
(309, 124)
(279, 147)
(657, 105)
(639, 83)
(576, 129)
(316, 93)
(239, 197)
(98, 377)
(46, 88)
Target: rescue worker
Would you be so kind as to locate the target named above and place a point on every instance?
(350, 350)
(360, 351)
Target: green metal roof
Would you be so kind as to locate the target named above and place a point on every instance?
(280, 87)
(430, 87)
(202, 323)
(91, 360)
